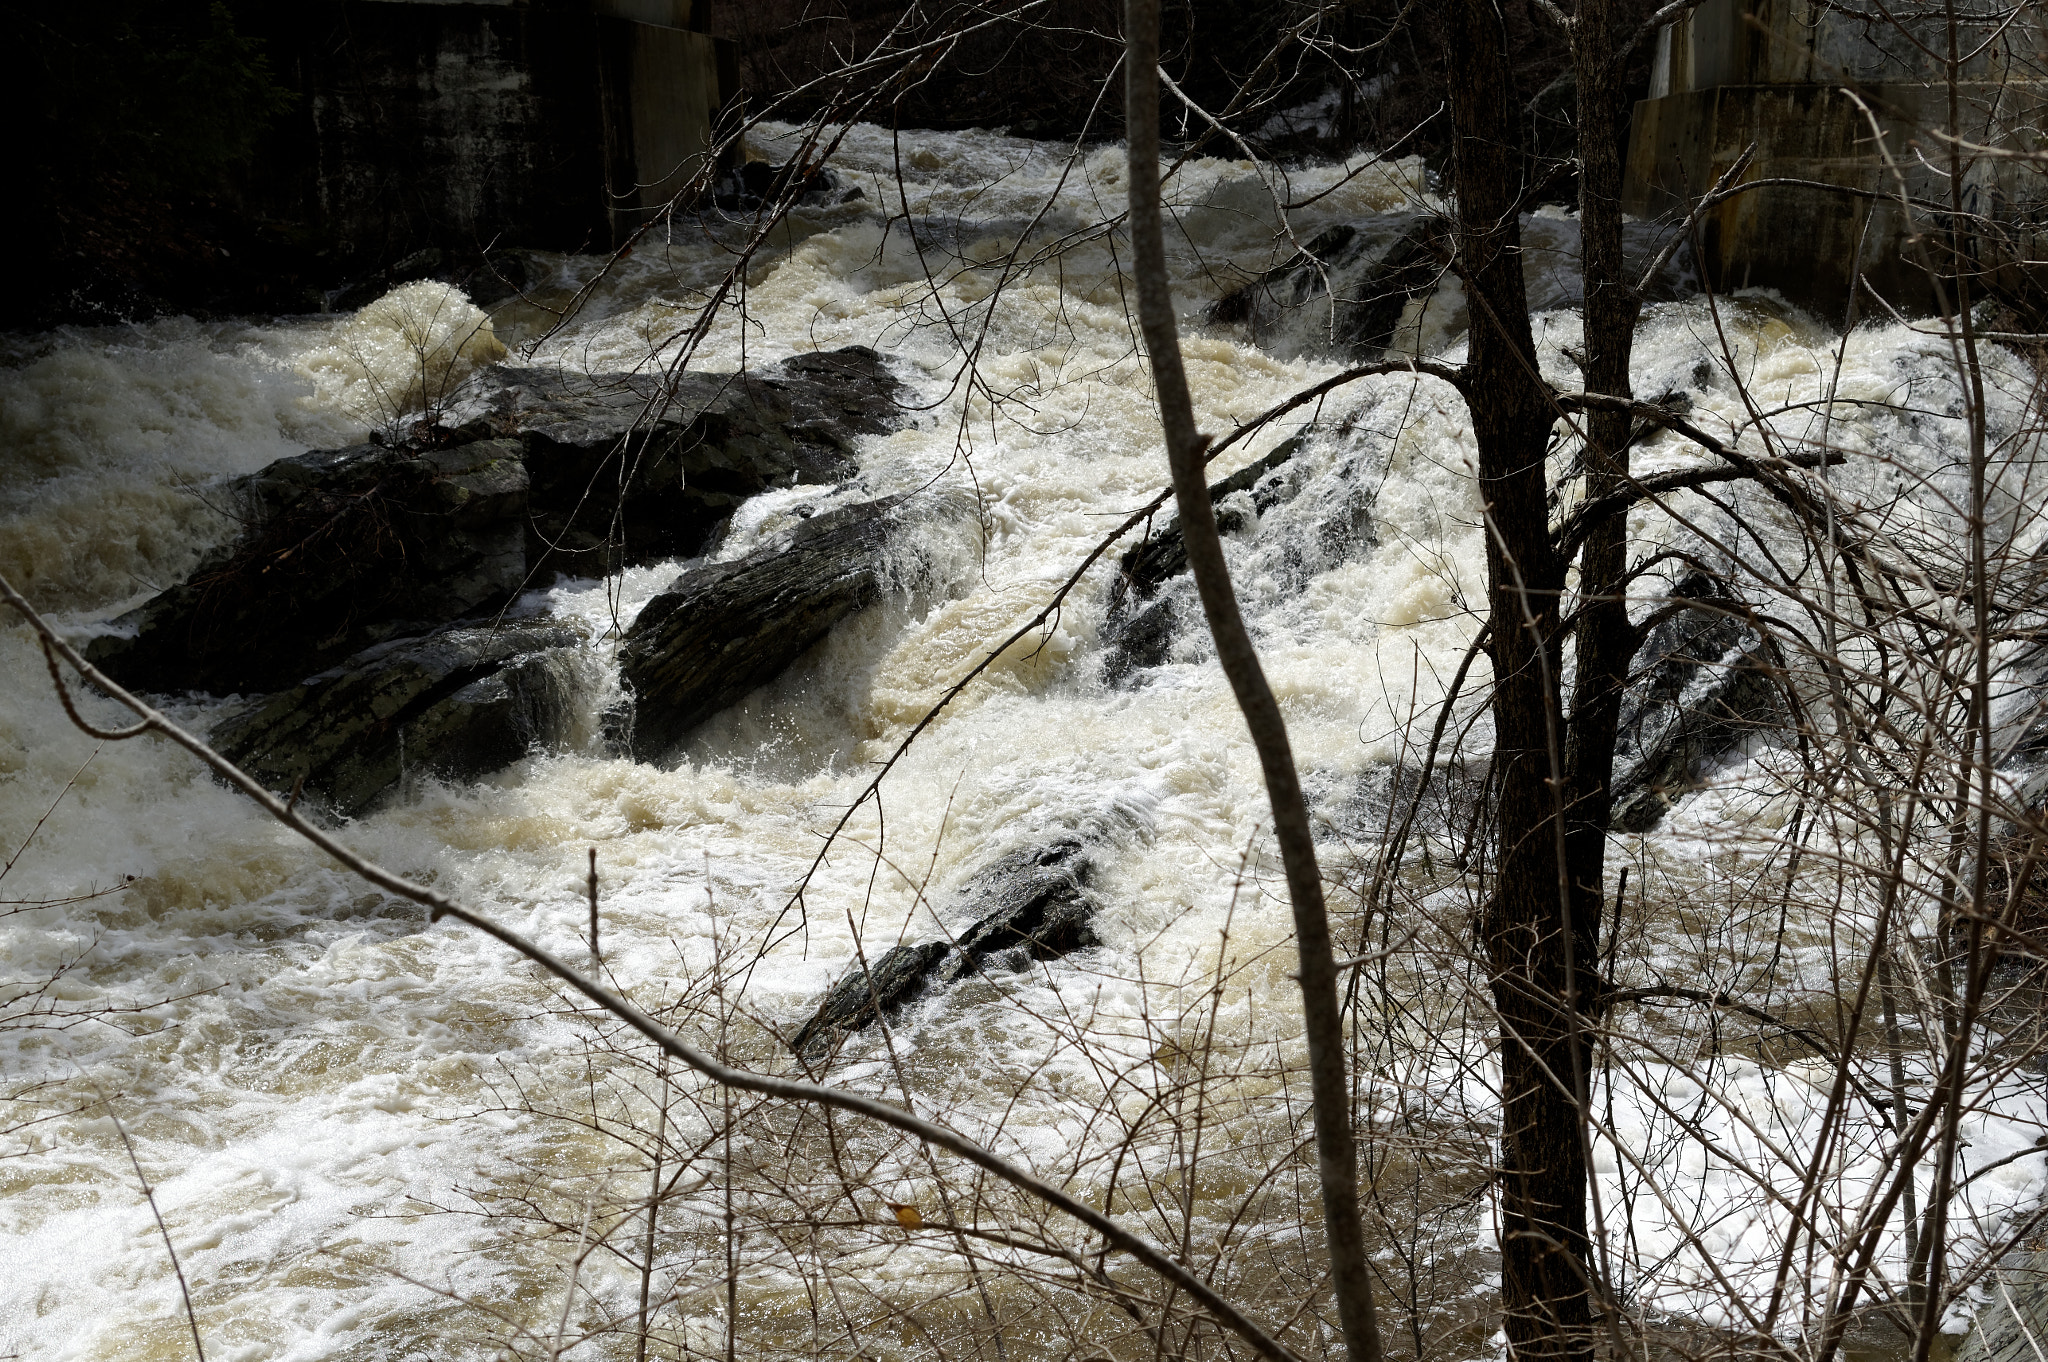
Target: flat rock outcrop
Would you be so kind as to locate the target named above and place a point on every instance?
(340, 549)
(724, 629)
(1032, 905)
(458, 703)
(631, 468)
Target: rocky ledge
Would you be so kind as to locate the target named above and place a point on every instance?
(1030, 905)
(361, 598)
(721, 630)
(342, 549)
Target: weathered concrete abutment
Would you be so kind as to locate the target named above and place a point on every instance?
(551, 123)
(1860, 106)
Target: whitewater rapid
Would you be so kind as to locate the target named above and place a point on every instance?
(316, 1080)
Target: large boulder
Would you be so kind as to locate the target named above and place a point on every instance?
(724, 629)
(1702, 683)
(340, 549)
(1033, 904)
(633, 468)
(459, 703)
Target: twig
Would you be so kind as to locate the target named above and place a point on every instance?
(149, 1194)
(1322, 1014)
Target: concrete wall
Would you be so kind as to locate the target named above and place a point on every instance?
(1813, 88)
(661, 88)
(549, 123)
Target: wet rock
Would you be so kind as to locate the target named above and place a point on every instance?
(1448, 806)
(457, 704)
(342, 549)
(1146, 567)
(724, 629)
(631, 468)
(1033, 905)
(1375, 266)
(339, 549)
(862, 997)
(1701, 684)
(1327, 517)
(756, 183)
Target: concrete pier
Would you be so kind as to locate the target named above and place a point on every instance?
(1864, 112)
(552, 123)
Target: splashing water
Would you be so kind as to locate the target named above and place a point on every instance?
(403, 354)
(318, 1080)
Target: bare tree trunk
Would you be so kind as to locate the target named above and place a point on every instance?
(1336, 1155)
(1527, 922)
(1604, 642)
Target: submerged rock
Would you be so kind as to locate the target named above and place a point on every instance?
(756, 183)
(1372, 268)
(861, 997)
(1375, 266)
(1033, 904)
(632, 468)
(1297, 521)
(725, 629)
(1141, 623)
(340, 549)
(1702, 683)
(458, 704)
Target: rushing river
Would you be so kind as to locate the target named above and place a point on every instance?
(326, 1092)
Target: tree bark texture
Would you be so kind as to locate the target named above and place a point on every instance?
(1322, 1018)
(1533, 943)
(1604, 641)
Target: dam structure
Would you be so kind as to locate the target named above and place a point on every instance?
(558, 124)
(1874, 120)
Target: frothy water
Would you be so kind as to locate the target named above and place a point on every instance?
(324, 1089)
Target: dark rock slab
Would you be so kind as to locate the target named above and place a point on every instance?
(862, 997)
(2008, 1327)
(1702, 683)
(459, 704)
(758, 183)
(342, 549)
(1141, 624)
(631, 468)
(1375, 265)
(725, 629)
(1146, 567)
(1032, 904)
(339, 549)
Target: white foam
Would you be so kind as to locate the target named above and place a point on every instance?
(323, 1058)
